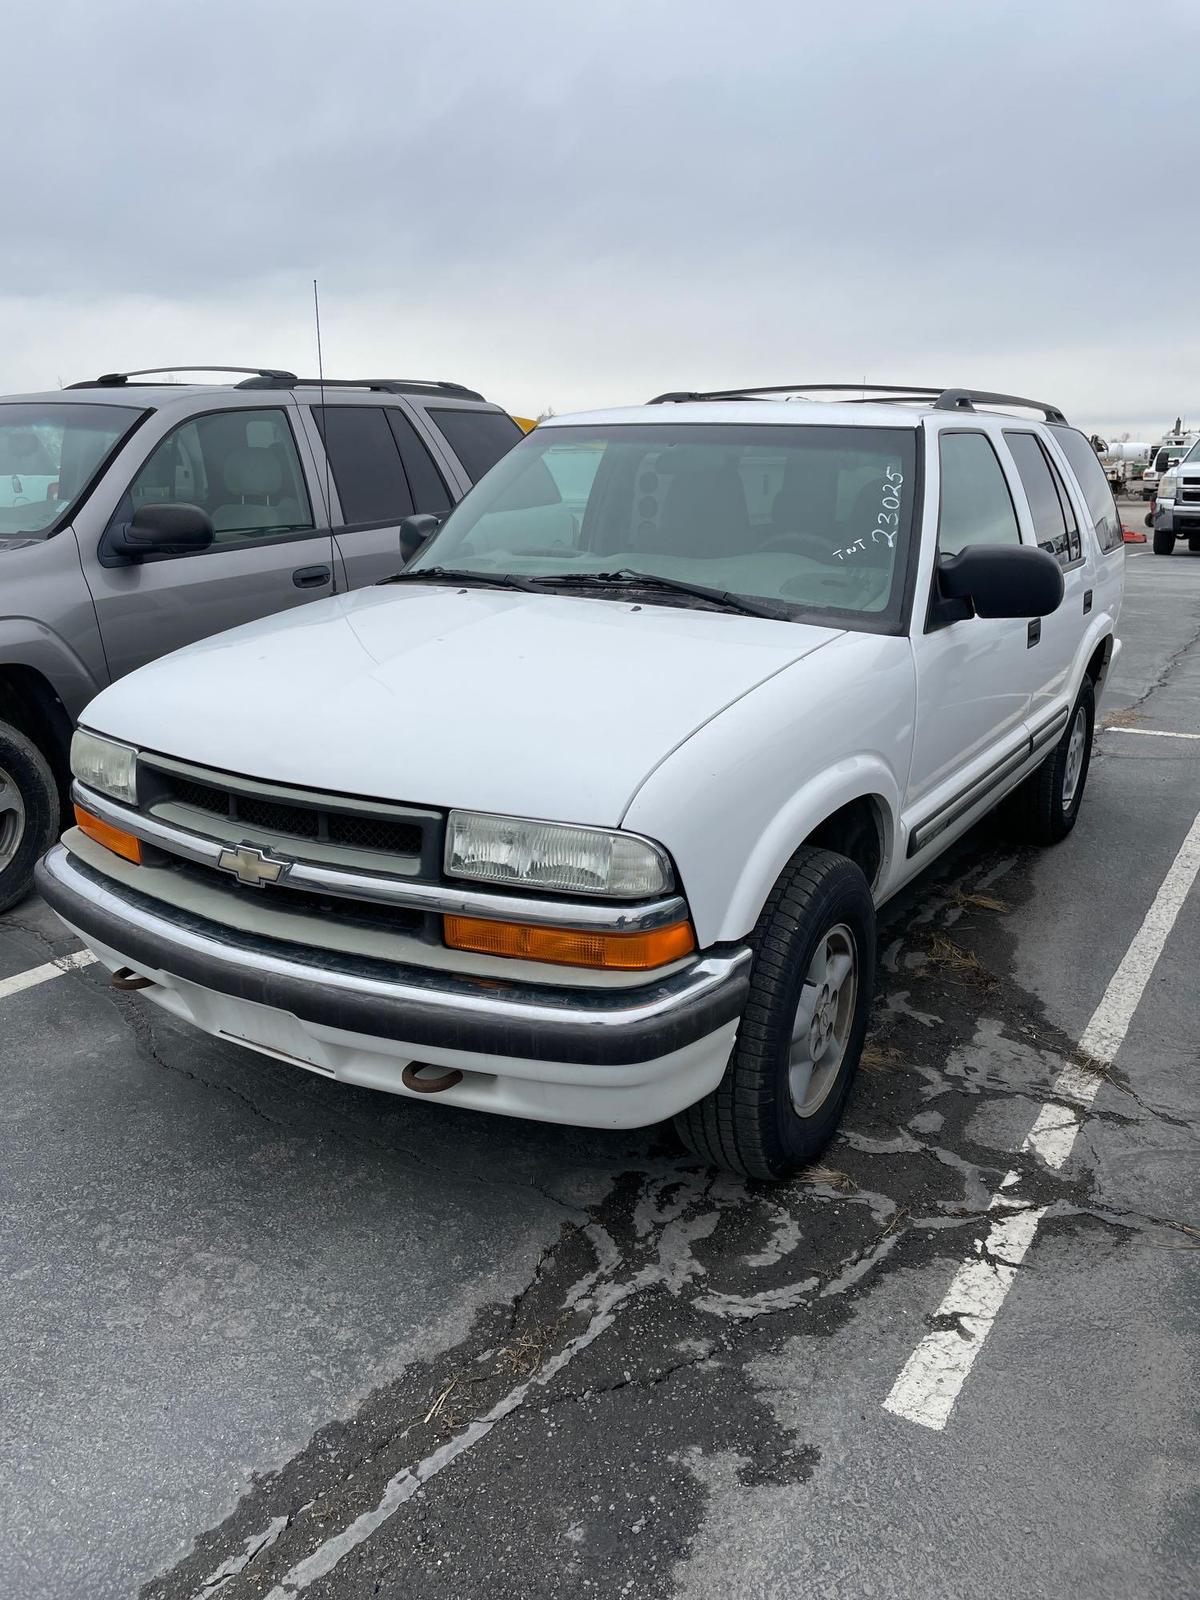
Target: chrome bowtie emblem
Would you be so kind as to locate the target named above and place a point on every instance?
(251, 866)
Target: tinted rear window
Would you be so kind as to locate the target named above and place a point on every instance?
(478, 438)
(365, 461)
(1096, 491)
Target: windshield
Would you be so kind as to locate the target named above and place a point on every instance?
(49, 453)
(1194, 453)
(816, 517)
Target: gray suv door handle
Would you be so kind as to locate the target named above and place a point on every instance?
(312, 577)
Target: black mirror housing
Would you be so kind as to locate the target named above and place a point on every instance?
(416, 531)
(997, 580)
(163, 529)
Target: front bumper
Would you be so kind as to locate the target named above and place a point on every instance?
(1180, 517)
(549, 1052)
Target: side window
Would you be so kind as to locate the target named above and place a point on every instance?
(478, 438)
(1089, 474)
(976, 506)
(240, 466)
(429, 491)
(1053, 521)
(365, 461)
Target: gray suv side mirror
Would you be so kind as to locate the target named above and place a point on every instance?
(163, 529)
(416, 531)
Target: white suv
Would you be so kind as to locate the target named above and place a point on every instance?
(586, 816)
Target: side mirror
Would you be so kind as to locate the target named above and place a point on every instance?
(1161, 461)
(998, 580)
(416, 531)
(164, 529)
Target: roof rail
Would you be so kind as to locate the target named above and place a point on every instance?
(288, 380)
(753, 393)
(115, 380)
(942, 399)
(968, 399)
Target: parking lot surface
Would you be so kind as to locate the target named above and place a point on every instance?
(267, 1335)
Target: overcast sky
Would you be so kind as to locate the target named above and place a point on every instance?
(577, 204)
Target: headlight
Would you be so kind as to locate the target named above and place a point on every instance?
(553, 855)
(105, 765)
(1166, 485)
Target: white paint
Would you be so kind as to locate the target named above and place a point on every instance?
(52, 969)
(934, 1374)
(255, 1545)
(1152, 733)
(929, 1385)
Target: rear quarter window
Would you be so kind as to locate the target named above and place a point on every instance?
(1089, 474)
(478, 438)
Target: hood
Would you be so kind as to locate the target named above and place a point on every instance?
(527, 704)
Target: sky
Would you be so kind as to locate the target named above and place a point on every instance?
(573, 205)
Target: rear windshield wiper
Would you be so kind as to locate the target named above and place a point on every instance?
(627, 578)
(486, 580)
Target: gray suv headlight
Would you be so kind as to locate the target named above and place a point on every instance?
(105, 765)
(553, 855)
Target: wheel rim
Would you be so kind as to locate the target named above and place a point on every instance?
(824, 1019)
(12, 819)
(1073, 770)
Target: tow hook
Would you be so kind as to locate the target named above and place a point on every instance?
(416, 1077)
(125, 978)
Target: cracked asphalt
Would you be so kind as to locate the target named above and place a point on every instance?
(265, 1335)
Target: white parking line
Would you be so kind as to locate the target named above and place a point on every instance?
(934, 1374)
(52, 969)
(1151, 733)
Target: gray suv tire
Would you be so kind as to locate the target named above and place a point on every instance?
(29, 813)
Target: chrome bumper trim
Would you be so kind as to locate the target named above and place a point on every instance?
(415, 1005)
(589, 916)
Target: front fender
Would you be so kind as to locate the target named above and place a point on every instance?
(27, 643)
(737, 799)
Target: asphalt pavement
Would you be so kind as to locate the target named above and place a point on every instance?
(265, 1335)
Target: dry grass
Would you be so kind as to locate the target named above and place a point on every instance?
(880, 1058)
(1092, 1065)
(977, 900)
(1122, 719)
(952, 958)
(831, 1178)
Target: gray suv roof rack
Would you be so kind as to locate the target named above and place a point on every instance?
(941, 398)
(288, 380)
(115, 380)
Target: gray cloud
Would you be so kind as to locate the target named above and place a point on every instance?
(581, 205)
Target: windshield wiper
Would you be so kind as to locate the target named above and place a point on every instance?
(487, 580)
(627, 578)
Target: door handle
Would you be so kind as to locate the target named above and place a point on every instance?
(1087, 601)
(312, 577)
(1035, 632)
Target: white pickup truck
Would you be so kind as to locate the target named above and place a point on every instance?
(586, 816)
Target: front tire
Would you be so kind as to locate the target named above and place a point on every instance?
(29, 813)
(1164, 543)
(802, 1031)
(1047, 803)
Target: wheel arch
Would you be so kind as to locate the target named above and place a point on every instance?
(31, 704)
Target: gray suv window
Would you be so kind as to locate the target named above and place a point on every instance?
(240, 466)
(49, 454)
(478, 438)
(365, 461)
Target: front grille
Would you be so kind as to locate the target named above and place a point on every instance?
(322, 821)
(1190, 492)
(324, 907)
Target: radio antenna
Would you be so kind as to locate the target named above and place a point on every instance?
(321, 386)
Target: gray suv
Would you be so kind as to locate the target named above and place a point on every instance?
(139, 514)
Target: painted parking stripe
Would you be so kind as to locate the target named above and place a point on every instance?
(52, 969)
(934, 1374)
(1151, 733)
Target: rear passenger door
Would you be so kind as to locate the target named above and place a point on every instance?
(380, 472)
(1054, 523)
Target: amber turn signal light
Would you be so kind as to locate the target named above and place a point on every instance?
(114, 839)
(567, 947)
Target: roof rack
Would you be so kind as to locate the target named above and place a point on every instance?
(288, 380)
(941, 398)
(115, 380)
